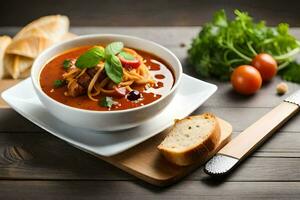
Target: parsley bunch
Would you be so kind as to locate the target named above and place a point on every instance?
(224, 44)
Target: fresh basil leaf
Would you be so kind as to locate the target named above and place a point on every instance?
(126, 56)
(90, 58)
(106, 102)
(59, 83)
(113, 48)
(67, 63)
(113, 69)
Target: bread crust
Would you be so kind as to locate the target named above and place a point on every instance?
(194, 153)
(30, 41)
(51, 27)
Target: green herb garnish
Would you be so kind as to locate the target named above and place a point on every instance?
(90, 58)
(113, 69)
(126, 56)
(59, 83)
(224, 44)
(113, 48)
(112, 65)
(67, 63)
(106, 102)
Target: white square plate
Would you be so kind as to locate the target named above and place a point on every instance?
(191, 94)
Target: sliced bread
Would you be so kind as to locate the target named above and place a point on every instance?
(191, 139)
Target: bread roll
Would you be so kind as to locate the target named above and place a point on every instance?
(30, 46)
(52, 27)
(16, 65)
(32, 40)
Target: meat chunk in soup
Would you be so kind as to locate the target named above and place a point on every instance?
(84, 80)
(75, 89)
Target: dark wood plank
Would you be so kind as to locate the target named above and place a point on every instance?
(137, 13)
(281, 144)
(241, 118)
(50, 158)
(136, 190)
(266, 97)
(13, 122)
(258, 169)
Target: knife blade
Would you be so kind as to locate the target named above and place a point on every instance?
(252, 137)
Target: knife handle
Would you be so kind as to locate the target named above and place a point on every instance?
(257, 133)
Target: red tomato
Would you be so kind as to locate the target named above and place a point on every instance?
(130, 64)
(266, 65)
(246, 79)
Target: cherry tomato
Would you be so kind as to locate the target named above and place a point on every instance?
(246, 79)
(266, 65)
(130, 64)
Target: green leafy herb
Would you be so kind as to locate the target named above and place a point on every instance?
(67, 63)
(113, 48)
(59, 83)
(106, 102)
(126, 56)
(113, 69)
(224, 44)
(90, 58)
(291, 73)
(112, 65)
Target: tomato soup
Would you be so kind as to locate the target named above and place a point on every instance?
(127, 79)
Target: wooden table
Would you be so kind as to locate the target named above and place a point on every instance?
(35, 164)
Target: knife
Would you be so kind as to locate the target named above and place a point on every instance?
(252, 137)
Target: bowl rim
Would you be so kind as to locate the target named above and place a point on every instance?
(37, 86)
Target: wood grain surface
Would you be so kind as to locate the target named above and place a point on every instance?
(145, 162)
(261, 130)
(145, 13)
(38, 165)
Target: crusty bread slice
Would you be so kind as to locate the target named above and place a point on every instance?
(191, 139)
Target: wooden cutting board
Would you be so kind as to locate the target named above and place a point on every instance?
(144, 160)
